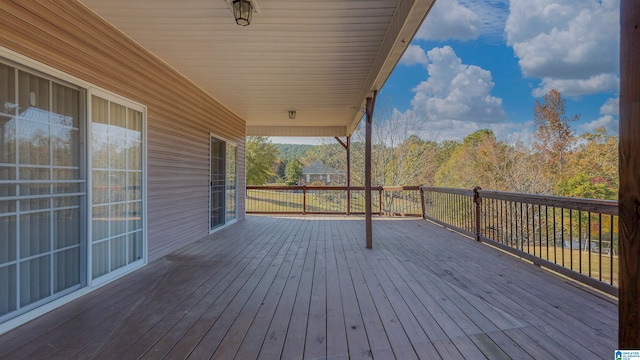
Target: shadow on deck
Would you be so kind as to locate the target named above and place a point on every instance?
(307, 288)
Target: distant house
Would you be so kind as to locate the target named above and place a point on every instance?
(319, 174)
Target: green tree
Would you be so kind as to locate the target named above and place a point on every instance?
(261, 156)
(482, 160)
(592, 170)
(280, 170)
(293, 172)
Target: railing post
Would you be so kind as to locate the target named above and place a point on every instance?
(380, 200)
(304, 199)
(424, 213)
(478, 201)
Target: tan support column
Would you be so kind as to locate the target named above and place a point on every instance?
(629, 194)
(371, 101)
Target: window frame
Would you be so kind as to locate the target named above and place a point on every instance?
(227, 142)
(120, 100)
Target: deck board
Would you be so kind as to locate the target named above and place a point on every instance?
(308, 288)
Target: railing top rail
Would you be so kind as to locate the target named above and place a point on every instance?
(401, 188)
(299, 187)
(609, 207)
(466, 192)
(331, 187)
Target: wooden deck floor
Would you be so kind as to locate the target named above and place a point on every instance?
(273, 288)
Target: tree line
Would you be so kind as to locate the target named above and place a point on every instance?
(556, 162)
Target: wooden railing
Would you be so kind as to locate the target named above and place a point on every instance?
(302, 200)
(575, 237)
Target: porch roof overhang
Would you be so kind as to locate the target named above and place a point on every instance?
(320, 58)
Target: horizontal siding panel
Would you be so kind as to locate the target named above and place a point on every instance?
(72, 39)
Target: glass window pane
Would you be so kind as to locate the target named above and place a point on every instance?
(33, 142)
(134, 216)
(118, 252)
(118, 219)
(134, 155)
(66, 103)
(33, 97)
(66, 174)
(7, 206)
(117, 153)
(8, 289)
(33, 173)
(7, 239)
(66, 201)
(118, 121)
(100, 223)
(7, 173)
(7, 89)
(7, 140)
(100, 259)
(35, 204)
(35, 234)
(230, 182)
(39, 133)
(66, 228)
(100, 187)
(134, 125)
(117, 148)
(64, 146)
(134, 185)
(99, 147)
(66, 265)
(99, 111)
(135, 246)
(117, 184)
(35, 281)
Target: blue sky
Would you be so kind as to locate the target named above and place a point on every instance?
(478, 64)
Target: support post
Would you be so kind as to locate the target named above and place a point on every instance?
(478, 208)
(424, 212)
(367, 169)
(304, 199)
(347, 146)
(629, 192)
(349, 175)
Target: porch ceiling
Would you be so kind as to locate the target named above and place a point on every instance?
(321, 58)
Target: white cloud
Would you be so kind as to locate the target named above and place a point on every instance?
(609, 122)
(455, 91)
(609, 118)
(576, 87)
(414, 55)
(455, 100)
(572, 40)
(450, 20)
(458, 130)
(610, 107)
(464, 20)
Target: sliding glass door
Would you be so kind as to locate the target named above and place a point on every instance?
(42, 190)
(55, 236)
(117, 200)
(222, 193)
